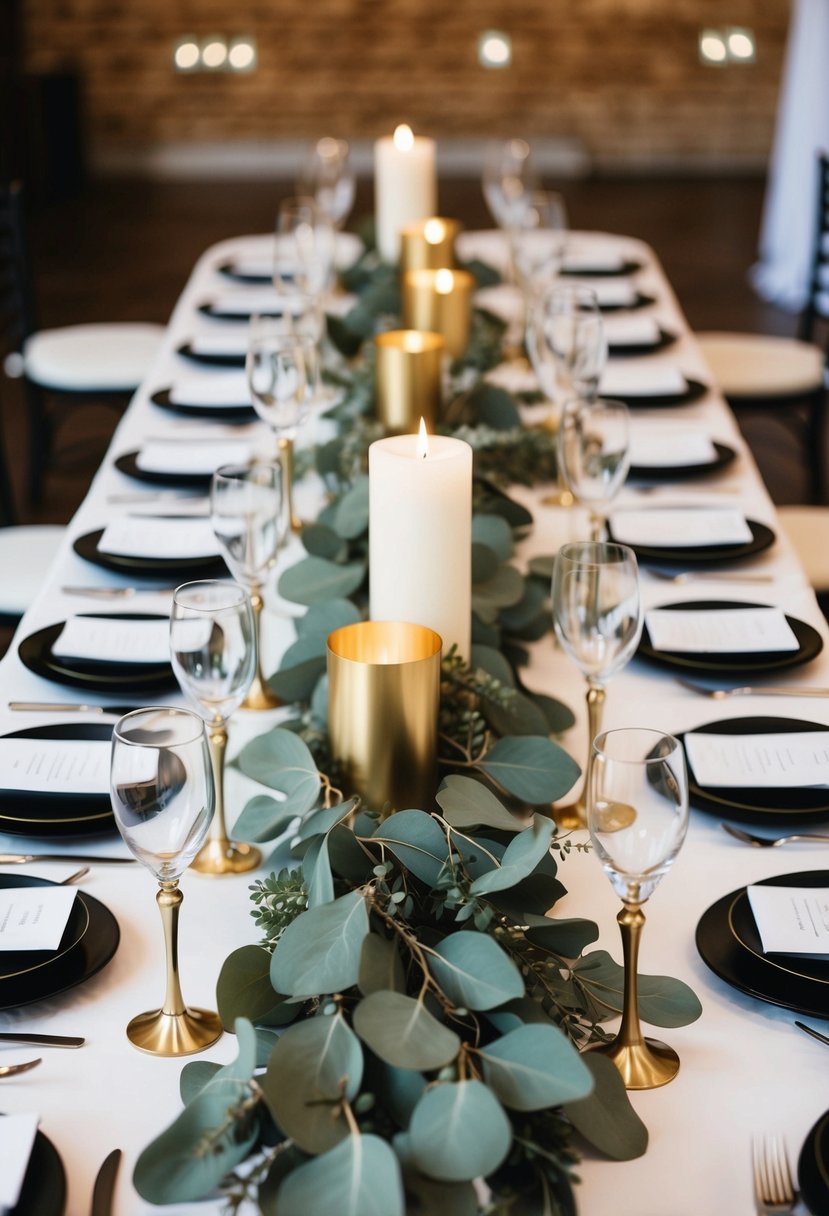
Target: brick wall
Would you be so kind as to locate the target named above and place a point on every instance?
(621, 76)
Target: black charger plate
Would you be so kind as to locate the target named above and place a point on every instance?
(128, 463)
(728, 943)
(35, 813)
(124, 678)
(673, 472)
(173, 568)
(228, 269)
(759, 663)
(213, 309)
(44, 1187)
(621, 349)
(761, 538)
(629, 266)
(638, 301)
(211, 360)
(813, 1167)
(220, 413)
(692, 392)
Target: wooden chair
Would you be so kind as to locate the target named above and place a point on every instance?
(72, 365)
(758, 372)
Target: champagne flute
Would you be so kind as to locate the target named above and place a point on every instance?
(163, 795)
(327, 176)
(282, 369)
(597, 615)
(594, 454)
(303, 249)
(638, 816)
(248, 518)
(538, 240)
(508, 177)
(213, 652)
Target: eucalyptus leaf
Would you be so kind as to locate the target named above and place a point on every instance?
(314, 1065)
(485, 633)
(514, 715)
(327, 616)
(307, 646)
(360, 1177)
(504, 588)
(316, 869)
(459, 1131)
(399, 1089)
(348, 857)
(485, 563)
(244, 987)
(194, 1076)
(494, 407)
(401, 1031)
(467, 804)
(542, 566)
(533, 1067)
(523, 854)
(296, 684)
(351, 515)
(484, 274)
(263, 818)
(321, 541)
(474, 972)
(605, 1117)
(494, 532)
(531, 767)
(530, 618)
(416, 840)
(491, 498)
(381, 968)
(492, 661)
(314, 579)
(565, 937)
(559, 716)
(289, 1158)
(281, 760)
(320, 950)
(346, 341)
(318, 823)
(663, 1000)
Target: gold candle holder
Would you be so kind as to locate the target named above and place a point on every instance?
(440, 301)
(428, 244)
(409, 374)
(383, 693)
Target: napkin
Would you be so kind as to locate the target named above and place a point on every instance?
(55, 766)
(34, 918)
(249, 301)
(680, 527)
(114, 640)
(614, 293)
(17, 1137)
(794, 760)
(192, 456)
(723, 631)
(665, 447)
(221, 341)
(640, 379)
(142, 536)
(580, 260)
(631, 330)
(218, 388)
(791, 920)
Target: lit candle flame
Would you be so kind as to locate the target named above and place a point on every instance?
(433, 232)
(404, 138)
(444, 282)
(422, 441)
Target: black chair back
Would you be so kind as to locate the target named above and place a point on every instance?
(817, 303)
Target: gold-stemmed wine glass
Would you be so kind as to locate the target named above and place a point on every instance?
(213, 653)
(248, 517)
(594, 454)
(597, 615)
(163, 795)
(637, 813)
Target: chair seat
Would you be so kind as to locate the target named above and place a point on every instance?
(755, 366)
(808, 531)
(92, 358)
(26, 555)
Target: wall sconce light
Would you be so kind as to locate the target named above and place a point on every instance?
(186, 55)
(494, 49)
(712, 48)
(734, 44)
(216, 53)
(741, 45)
(241, 55)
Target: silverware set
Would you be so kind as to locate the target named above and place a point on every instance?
(751, 690)
(773, 842)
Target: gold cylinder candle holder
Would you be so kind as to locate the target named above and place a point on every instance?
(440, 301)
(428, 244)
(409, 379)
(383, 694)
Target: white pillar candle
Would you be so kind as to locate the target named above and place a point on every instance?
(405, 187)
(420, 534)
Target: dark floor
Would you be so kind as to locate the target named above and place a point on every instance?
(123, 249)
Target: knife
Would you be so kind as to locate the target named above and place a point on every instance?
(42, 1040)
(821, 1038)
(64, 707)
(15, 859)
(105, 1185)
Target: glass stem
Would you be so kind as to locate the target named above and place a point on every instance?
(630, 920)
(258, 686)
(217, 738)
(596, 526)
(595, 710)
(169, 899)
(285, 447)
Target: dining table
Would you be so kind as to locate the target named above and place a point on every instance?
(746, 1070)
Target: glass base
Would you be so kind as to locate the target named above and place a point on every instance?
(260, 697)
(570, 818)
(226, 857)
(643, 1065)
(174, 1034)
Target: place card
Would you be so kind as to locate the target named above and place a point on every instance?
(218, 388)
(114, 640)
(799, 760)
(221, 341)
(197, 456)
(614, 293)
(669, 447)
(55, 766)
(17, 1137)
(145, 536)
(791, 920)
(34, 918)
(720, 631)
(632, 331)
(642, 380)
(680, 527)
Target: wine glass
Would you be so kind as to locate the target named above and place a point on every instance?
(538, 240)
(248, 517)
(213, 652)
(508, 177)
(327, 176)
(282, 369)
(303, 249)
(163, 795)
(594, 454)
(597, 614)
(637, 813)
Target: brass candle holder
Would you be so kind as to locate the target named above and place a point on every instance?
(383, 692)
(440, 301)
(409, 375)
(428, 244)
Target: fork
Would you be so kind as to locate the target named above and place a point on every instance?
(691, 576)
(12, 1070)
(772, 842)
(750, 690)
(774, 1191)
(116, 593)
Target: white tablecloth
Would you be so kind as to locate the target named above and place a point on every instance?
(745, 1069)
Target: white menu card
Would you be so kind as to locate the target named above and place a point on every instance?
(17, 1136)
(720, 631)
(223, 340)
(791, 920)
(614, 293)
(798, 760)
(642, 380)
(631, 331)
(253, 301)
(200, 456)
(34, 918)
(218, 388)
(145, 536)
(55, 766)
(660, 447)
(680, 527)
(114, 640)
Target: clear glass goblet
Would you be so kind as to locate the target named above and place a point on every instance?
(637, 813)
(327, 176)
(508, 178)
(213, 652)
(163, 794)
(538, 241)
(247, 512)
(594, 454)
(303, 249)
(597, 615)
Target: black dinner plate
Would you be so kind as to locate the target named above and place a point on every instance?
(212, 360)
(43, 1192)
(180, 568)
(809, 644)
(759, 805)
(639, 301)
(692, 392)
(91, 953)
(629, 266)
(761, 538)
(728, 943)
(621, 349)
(101, 676)
(221, 413)
(674, 472)
(17, 963)
(128, 463)
(35, 813)
(213, 309)
(229, 269)
(813, 1167)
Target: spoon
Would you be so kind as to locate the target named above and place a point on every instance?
(772, 842)
(11, 1070)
